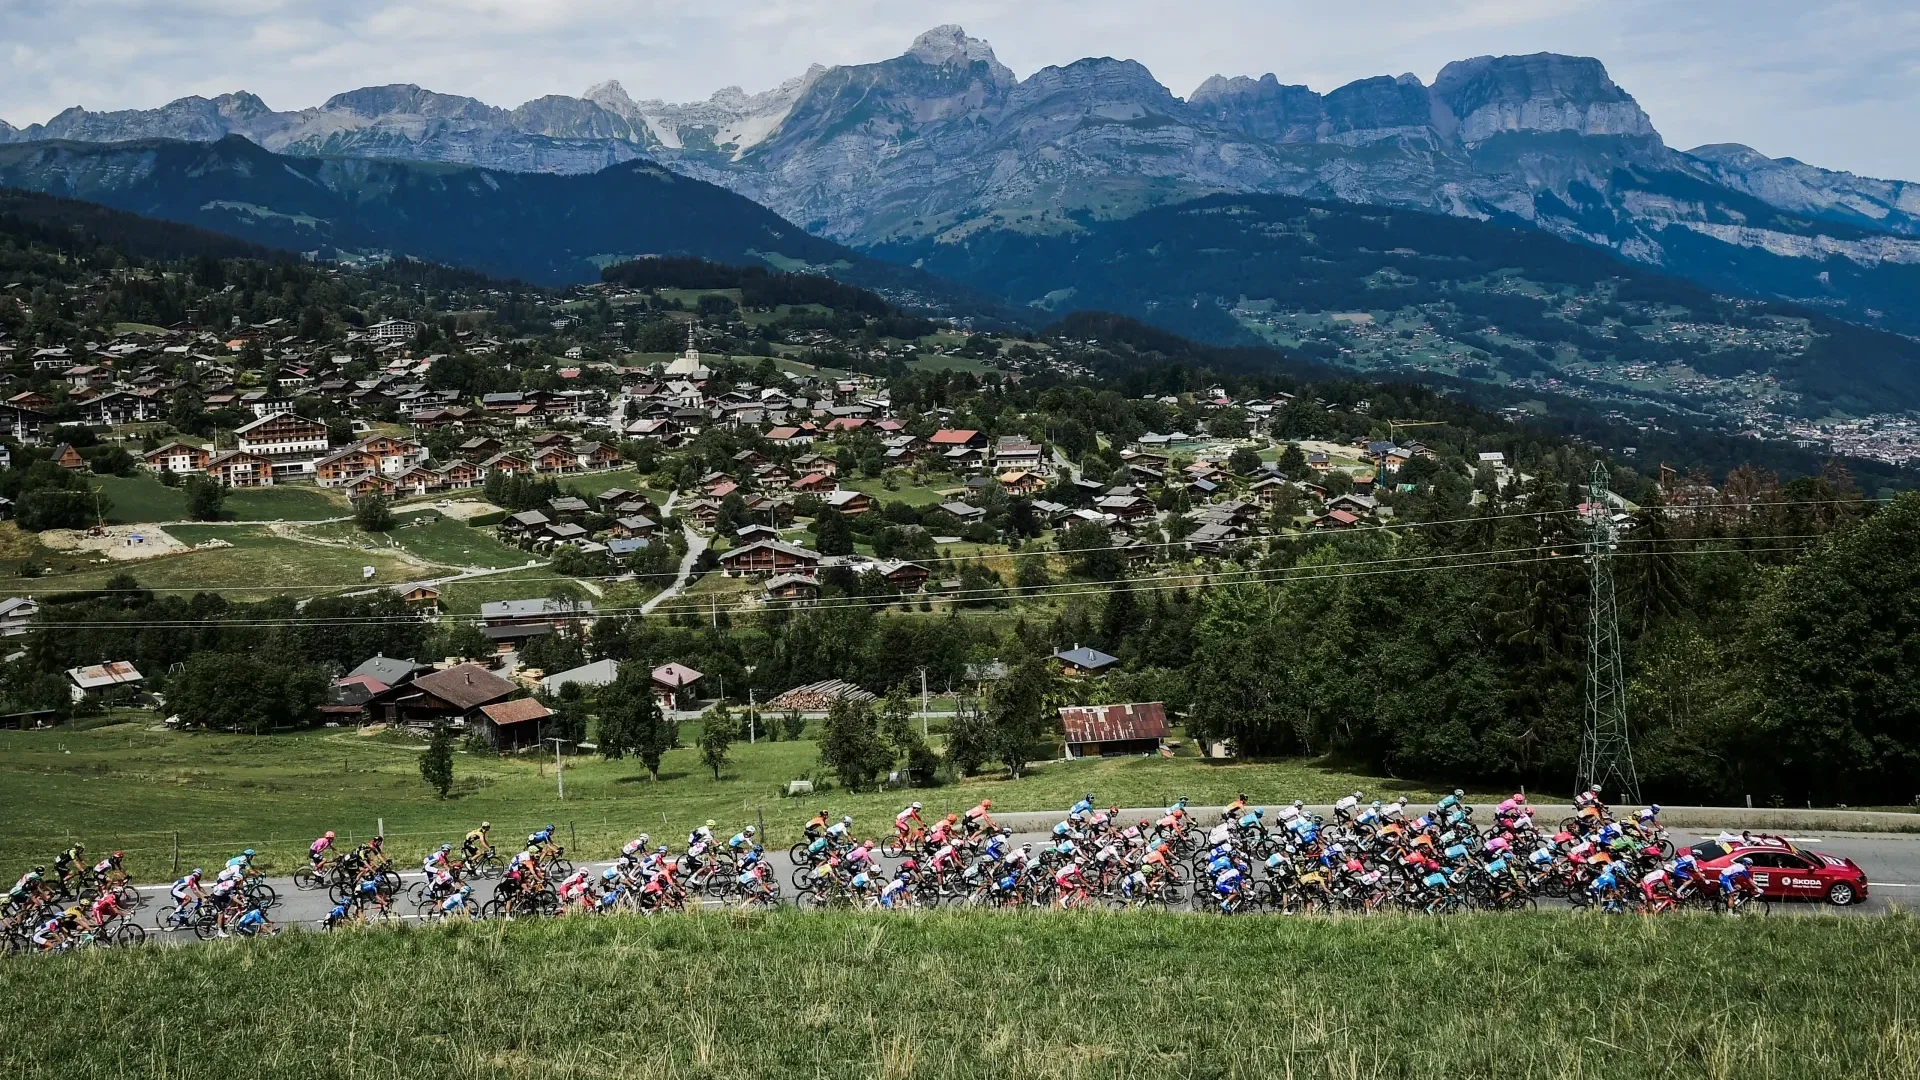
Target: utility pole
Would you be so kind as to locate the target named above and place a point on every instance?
(752, 735)
(559, 768)
(1606, 754)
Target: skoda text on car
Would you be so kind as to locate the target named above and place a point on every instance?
(1784, 871)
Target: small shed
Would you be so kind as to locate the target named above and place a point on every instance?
(1114, 730)
(512, 725)
(1083, 661)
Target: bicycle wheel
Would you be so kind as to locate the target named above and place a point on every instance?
(263, 895)
(129, 933)
(306, 880)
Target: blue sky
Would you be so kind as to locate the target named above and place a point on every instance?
(1833, 83)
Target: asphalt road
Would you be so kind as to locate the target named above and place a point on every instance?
(1892, 862)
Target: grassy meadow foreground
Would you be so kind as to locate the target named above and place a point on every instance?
(115, 782)
(982, 995)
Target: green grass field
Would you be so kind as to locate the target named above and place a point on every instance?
(465, 597)
(1022, 995)
(142, 497)
(934, 491)
(437, 539)
(121, 785)
(592, 484)
(257, 564)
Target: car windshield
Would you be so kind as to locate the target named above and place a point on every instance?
(1708, 851)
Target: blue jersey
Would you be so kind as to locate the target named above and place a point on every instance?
(1084, 806)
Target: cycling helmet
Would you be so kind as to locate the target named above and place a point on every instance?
(248, 853)
(446, 848)
(1376, 804)
(551, 826)
(1005, 831)
(748, 831)
(644, 840)
(609, 874)
(1259, 811)
(1745, 860)
(1089, 796)
(1655, 808)
(486, 825)
(916, 806)
(846, 819)
(39, 869)
(196, 872)
(1026, 847)
(1297, 804)
(329, 834)
(909, 865)
(709, 823)
(986, 802)
(661, 850)
(118, 855)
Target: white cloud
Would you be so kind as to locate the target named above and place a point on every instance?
(1822, 80)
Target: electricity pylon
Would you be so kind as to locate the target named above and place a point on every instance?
(1606, 754)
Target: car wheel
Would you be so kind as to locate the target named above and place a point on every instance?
(1841, 894)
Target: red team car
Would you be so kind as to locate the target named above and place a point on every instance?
(1783, 871)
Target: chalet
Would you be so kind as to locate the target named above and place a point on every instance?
(775, 477)
(670, 683)
(343, 467)
(510, 464)
(459, 474)
(100, 678)
(1015, 452)
(419, 597)
(957, 438)
(613, 497)
(771, 509)
(595, 455)
(1081, 661)
(748, 534)
(1114, 730)
(963, 513)
(791, 436)
(1357, 505)
(177, 457)
(749, 458)
(849, 503)
(1318, 461)
(524, 524)
(1336, 520)
(506, 623)
(556, 459)
(67, 457)
(394, 457)
(1019, 482)
(720, 489)
(704, 512)
(418, 480)
(17, 614)
(769, 557)
(453, 697)
(119, 407)
(632, 527)
(479, 448)
(567, 508)
(795, 589)
(816, 463)
(1125, 507)
(906, 577)
(289, 441)
(566, 532)
(1215, 538)
(238, 469)
(1270, 489)
(30, 399)
(370, 485)
(815, 483)
(963, 458)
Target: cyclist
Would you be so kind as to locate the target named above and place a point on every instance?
(58, 930)
(341, 912)
(1605, 889)
(896, 890)
(1235, 808)
(539, 841)
(740, 843)
(476, 842)
(106, 868)
(978, 818)
(1654, 886)
(942, 830)
(840, 832)
(634, 850)
(186, 891)
(317, 851)
(106, 908)
(1737, 877)
(1343, 810)
(906, 821)
(456, 903)
(29, 887)
(817, 826)
(252, 923)
(1068, 884)
(67, 864)
(1083, 807)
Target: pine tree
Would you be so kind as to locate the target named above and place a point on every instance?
(436, 765)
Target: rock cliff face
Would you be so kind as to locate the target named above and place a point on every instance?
(944, 142)
(1890, 205)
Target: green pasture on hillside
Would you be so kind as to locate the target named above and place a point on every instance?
(125, 785)
(142, 497)
(1000, 995)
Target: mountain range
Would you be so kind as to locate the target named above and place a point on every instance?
(944, 142)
